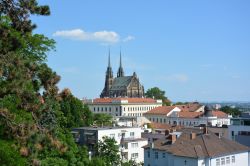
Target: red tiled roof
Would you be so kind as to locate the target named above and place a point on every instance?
(130, 100)
(163, 110)
(190, 107)
(185, 114)
(163, 126)
(219, 114)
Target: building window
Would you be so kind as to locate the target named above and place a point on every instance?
(156, 155)
(94, 108)
(163, 155)
(134, 145)
(222, 161)
(217, 162)
(134, 155)
(233, 159)
(227, 160)
(148, 154)
(132, 134)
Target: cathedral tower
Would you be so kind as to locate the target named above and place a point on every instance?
(108, 79)
(120, 72)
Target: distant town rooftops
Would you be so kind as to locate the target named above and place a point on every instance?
(195, 143)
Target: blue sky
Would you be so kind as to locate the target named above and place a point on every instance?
(194, 50)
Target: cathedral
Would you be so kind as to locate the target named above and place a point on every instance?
(121, 86)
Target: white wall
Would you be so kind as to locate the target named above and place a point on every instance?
(123, 109)
(130, 133)
(241, 159)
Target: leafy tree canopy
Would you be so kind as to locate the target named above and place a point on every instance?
(157, 93)
(232, 111)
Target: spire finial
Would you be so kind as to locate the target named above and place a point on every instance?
(109, 65)
(120, 57)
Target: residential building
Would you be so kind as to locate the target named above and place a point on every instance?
(132, 107)
(183, 116)
(195, 147)
(121, 86)
(239, 130)
(128, 138)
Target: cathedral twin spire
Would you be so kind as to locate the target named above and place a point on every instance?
(120, 72)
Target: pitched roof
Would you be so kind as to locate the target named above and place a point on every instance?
(190, 107)
(163, 110)
(203, 145)
(185, 114)
(130, 100)
(121, 83)
(219, 114)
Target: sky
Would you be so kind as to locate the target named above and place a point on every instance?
(193, 50)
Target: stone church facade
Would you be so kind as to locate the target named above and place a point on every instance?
(121, 86)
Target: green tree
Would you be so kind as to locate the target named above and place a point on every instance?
(157, 93)
(76, 113)
(102, 119)
(232, 111)
(108, 150)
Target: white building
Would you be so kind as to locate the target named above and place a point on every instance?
(239, 130)
(128, 138)
(133, 107)
(195, 148)
(183, 116)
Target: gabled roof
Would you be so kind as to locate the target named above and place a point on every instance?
(163, 110)
(219, 114)
(190, 107)
(184, 114)
(203, 145)
(121, 83)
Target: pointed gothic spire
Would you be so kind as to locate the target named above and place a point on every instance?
(109, 65)
(120, 58)
(120, 72)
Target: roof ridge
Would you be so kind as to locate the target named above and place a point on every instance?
(202, 137)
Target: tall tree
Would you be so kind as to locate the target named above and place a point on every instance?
(157, 93)
(109, 151)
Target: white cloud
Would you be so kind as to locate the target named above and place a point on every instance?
(79, 34)
(128, 38)
(105, 37)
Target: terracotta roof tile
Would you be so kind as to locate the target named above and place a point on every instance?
(190, 107)
(219, 114)
(162, 110)
(184, 114)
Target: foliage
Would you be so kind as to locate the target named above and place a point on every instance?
(108, 151)
(232, 111)
(9, 155)
(102, 119)
(157, 93)
(35, 120)
(77, 114)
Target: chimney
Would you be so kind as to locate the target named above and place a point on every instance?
(192, 135)
(167, 132)
(173, 138)
(205, 131)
